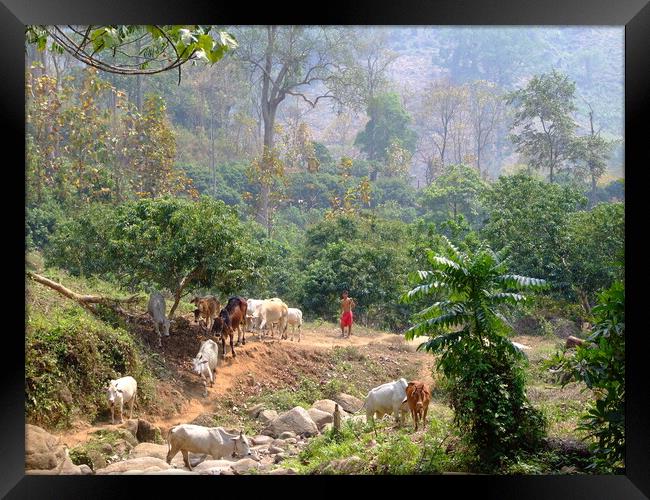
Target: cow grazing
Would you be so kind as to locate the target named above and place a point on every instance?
(156, 309)
(231, 318)
(213, 441)
(386, 398)
(207, 308)
(273, 311)
(121, 391)
(205, 362)
(294, 318)
(252, 307)
(418, 397)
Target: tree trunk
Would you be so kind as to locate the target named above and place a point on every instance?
(178, 294)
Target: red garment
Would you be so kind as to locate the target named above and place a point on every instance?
(346, 318)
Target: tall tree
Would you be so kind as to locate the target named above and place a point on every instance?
(389, 125)
(285, 61)
(543, 127)
(486, 110)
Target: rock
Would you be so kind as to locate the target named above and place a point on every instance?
(326, 405)
(287, 435)
(170, 472)
(131, 426)
(282, 472)
(107, 449)
(149, 450)
(320, 417)
(291, 440)
(85, 469)
(273, 450)
(122, 433)
(214, 467)
(97, 460)
(260, 439)
(142, 463)
(348, 403)
(255, 410)
(147, 432)
(279, 458)
(267, 416)
(296, 420)
(244, 465)
(349, 465)
(43, 451)
(205, 420)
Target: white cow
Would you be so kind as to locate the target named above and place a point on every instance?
(253, 306)
(121, 391)
(272, 311)
(205, 362)
(387, 398)
(156, 309)
(213, 441)
(294, 318)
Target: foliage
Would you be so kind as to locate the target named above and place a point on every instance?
(543, 124)
(600, 364)
(157, 47)
(456, 192)
(164, 242)
(366, 257)
(389, 127)
(70, 357)
(483, 374)
(528, 216)
(594, 242)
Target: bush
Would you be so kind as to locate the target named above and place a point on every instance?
(69, 359)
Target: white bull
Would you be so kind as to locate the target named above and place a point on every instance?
(294, 318)
(272, 311)
(205, 362)
(121, 391)
(253, 306)
(213, 441)
(387, 398)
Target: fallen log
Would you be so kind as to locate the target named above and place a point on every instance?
(88, 302)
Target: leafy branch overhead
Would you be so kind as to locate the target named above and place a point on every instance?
(135, 49)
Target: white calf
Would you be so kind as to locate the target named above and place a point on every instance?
(387, 398)
(294, 318)
(205, 362)
(121, 391)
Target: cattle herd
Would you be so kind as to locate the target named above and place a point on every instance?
(261, 317)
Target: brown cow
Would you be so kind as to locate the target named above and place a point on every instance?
(572, 341)
(418, 397)
(231, 318)
(207, 308)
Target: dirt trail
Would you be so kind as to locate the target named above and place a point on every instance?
(253, 360)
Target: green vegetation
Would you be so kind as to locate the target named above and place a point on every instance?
(484, 379)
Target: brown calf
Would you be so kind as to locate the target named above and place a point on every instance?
(207, 308)
(418, 397)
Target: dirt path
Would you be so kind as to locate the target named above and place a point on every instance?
(253, 361)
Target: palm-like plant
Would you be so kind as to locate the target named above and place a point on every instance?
(466, 327)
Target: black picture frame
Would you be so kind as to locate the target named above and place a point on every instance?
(633, 14)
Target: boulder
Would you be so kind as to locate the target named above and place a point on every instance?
(282, 472)
(170, 472)
(149, 450)
(97, 459)
(244, 465)
(147, 432)
(320, 417)
(205, 420)
(131, 425)
(296, 420)
(267, 416)
(326, 405)
(274, 450)
(262, 440)
(43, 451)
(348, 403)
(141, 464)
(213, 467)
(255, 410)
(287, 435)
